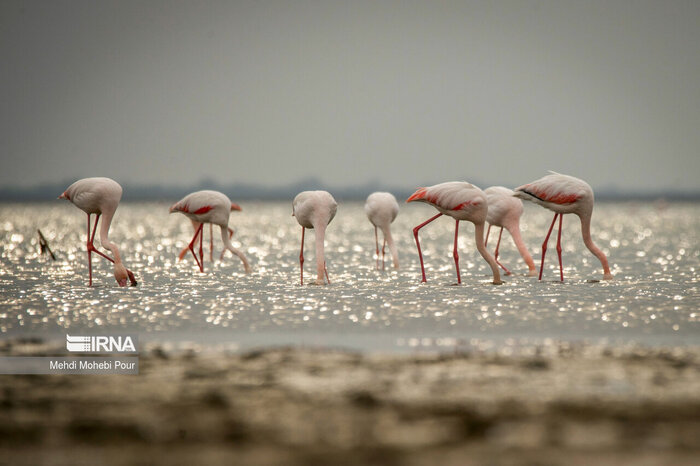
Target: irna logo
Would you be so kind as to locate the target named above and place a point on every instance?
(101, 344)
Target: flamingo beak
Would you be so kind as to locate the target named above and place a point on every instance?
(235, 206)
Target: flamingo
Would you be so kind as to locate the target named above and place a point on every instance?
(505, 211)
(314, 209)
(461, 201)
(208, 207)
(195, 225)
(565, 194)
(381, 209)
(99, 196)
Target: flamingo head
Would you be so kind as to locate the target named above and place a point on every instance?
(64, 196)
(120, 273)
(235, 206)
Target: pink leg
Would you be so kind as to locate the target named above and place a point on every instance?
(455, 254)
(325, 270)
(91, 247)
(376, 248)
(191, 246)
(301, 255)
(89, 251)
(420, 254)
(383, 252)
(561, 268)
(488, 231)
(496, 253)
(201, 249)
(544, 245)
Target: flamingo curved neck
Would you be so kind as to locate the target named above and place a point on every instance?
(320, 234)
(227, 244)
(386, 231)
(479, 237)
(104, 236)
(514, 231)
(588, 241)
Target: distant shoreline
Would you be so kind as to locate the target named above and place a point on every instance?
(251, 192)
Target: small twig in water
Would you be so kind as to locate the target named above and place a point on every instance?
(45, 245)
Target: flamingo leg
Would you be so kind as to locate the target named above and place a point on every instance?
(561, 268)
(301, 255)
(201, 250)
(496, 253)
(455, 254)
(325, 270)
(420, 254)
(544, 245)
(191, 246)
(91, 247)
(383, 252)
(488, 231)
(89, 251)
(376, 247)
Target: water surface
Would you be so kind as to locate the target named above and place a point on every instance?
(653, 252)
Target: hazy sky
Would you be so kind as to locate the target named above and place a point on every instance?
(402, 92)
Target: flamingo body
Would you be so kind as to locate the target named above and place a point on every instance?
(100, 196)
(381, 209)
(461, 201)
(205, 207)
(564, 194)
(314, 209)
(208, 207)
(94, 195)
(505, 211)
(458, 199)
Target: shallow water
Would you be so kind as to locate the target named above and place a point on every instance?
(653, 252)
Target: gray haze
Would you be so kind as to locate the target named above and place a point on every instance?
(402, 92)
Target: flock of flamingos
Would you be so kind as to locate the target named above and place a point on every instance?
(498, 206)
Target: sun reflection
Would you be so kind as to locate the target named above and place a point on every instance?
(655, 290)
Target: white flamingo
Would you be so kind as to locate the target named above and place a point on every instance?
(461, 201)
(208, 207)
(195, 226)
(565, 194)
(99, 196)
(505, 211)
(314, 209)
(381, 209)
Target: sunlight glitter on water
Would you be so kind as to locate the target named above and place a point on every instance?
(653, 253)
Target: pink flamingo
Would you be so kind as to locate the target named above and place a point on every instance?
(565, 194)
(381, 209)
(99, 196)
(461, 201)
(505, 211)
(195, 225)
(208, 207)
(314, 209)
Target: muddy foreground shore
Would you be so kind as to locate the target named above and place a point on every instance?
(567, 405)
